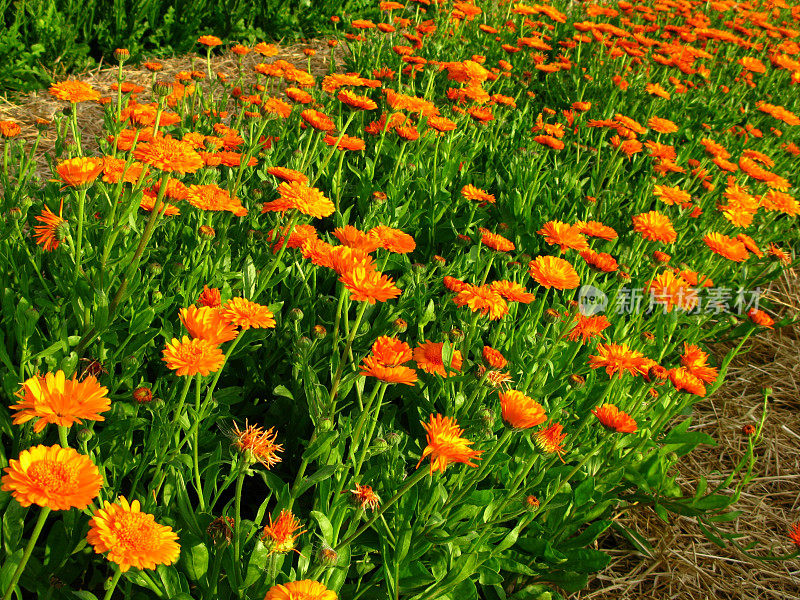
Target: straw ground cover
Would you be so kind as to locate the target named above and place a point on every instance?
(429, 322)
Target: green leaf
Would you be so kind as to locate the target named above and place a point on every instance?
(319, 445)
(256, 564)
(324, 524)
(194, 556)
(584, 491)
(586, 560)
(320, 475)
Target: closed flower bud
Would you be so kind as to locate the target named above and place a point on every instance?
(393, 438)
(399, 325)
(551, 315)
(154, 268)
(326, 425)
(295, 314)
(379, 196)
(15, 213)
(328, 556)
(647, 337)
(456, 335)
(532, 502)
(379, 446)
(143, 395)
(157, 296)
(162, 88)
(487, 417)
(122, 54)
(207, 231)
(320, 332)
(578, 381)
(749, 429)
(84, 435)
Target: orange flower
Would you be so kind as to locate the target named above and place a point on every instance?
(618, 358)
(483, 299)
(512, 291)
(550, 439)
(214, 198)
(369, 285)
(520, 411)
(589, 327)
(74, 91)
(671, 290)
(391, 351)
(49, 235)
(280, 537)
(470, 192)
(299, 196)
(731, 249)
(685, 380)
(210, 297)
(694, 359)
(9, 129)
(77, 172)
(496, 241)
(148, 203)
(355, 101)
(672, 195)
(355, 238)
(190, 357)
(371, 366)
(257, 444)
(794, 533)
(209, 40)
(596, 229)
(365, 497)
(131, 537)
(205, 323)
(655, 227)
(563, 235)
(549, 271)
(600, 260)
(317, 120)
(759, 317)
(445, 444)
(613, 418)
(169, 155)
(660, 125)
(287, 174)
(494, 358)
(393, 240)
(53, 477)
(428, 357)
(52, 398)
(306, 589)
(246, 314)
(345, 142)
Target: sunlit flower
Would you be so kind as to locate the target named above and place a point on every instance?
(281, 535)
(445, 444)
(193, 356)
(613, 418)
(74, 91)
(52, 398)
(306, 589)
(618, 358)
(428, 357)
(365, 497)
(520, 411)
(207, 324)
(550, 271)
(550, 439)
(48, 235)
(53, 477)
(131, 537)
(246, 314)
(77, 172)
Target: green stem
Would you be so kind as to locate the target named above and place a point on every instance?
(237, 524)
(62, 436)
(113, 585)
(339, 370)
(27, 554)
(195, 458)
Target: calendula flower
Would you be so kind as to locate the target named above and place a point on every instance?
(52, 398)
(618, 358)
(280, 536)
(683, 379)
(470, 192)
(169, 155)
(193, 356)
(794, 533)
(49, 235)
(299, 196)
(209, 40)
(563, 235)
(131, 537)
(493, 358)
(214, 198)
(550, 439)
(759, 317)
(428, 357)
(371, 366)
(512, 291)
(445, 444)
(655, 227)
(392, 239)
(588, 327)
(694, 359)
(482, 299)
(613, 418)
(550, 271)
(210, 297)
(671, 290)
(365, 497)
(520, 411)
(206, 323)
(246, 314)
(81, 171)
(287, 174)
(368, 285)
(731, 249)
(53, 477)
(74, 91)
(257, 443)
(306, 589)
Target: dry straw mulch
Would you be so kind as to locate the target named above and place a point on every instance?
(683, 564)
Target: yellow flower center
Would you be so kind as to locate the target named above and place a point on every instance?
(136, 531)
(53, 476)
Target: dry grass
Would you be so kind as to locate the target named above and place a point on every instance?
(684, 564)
